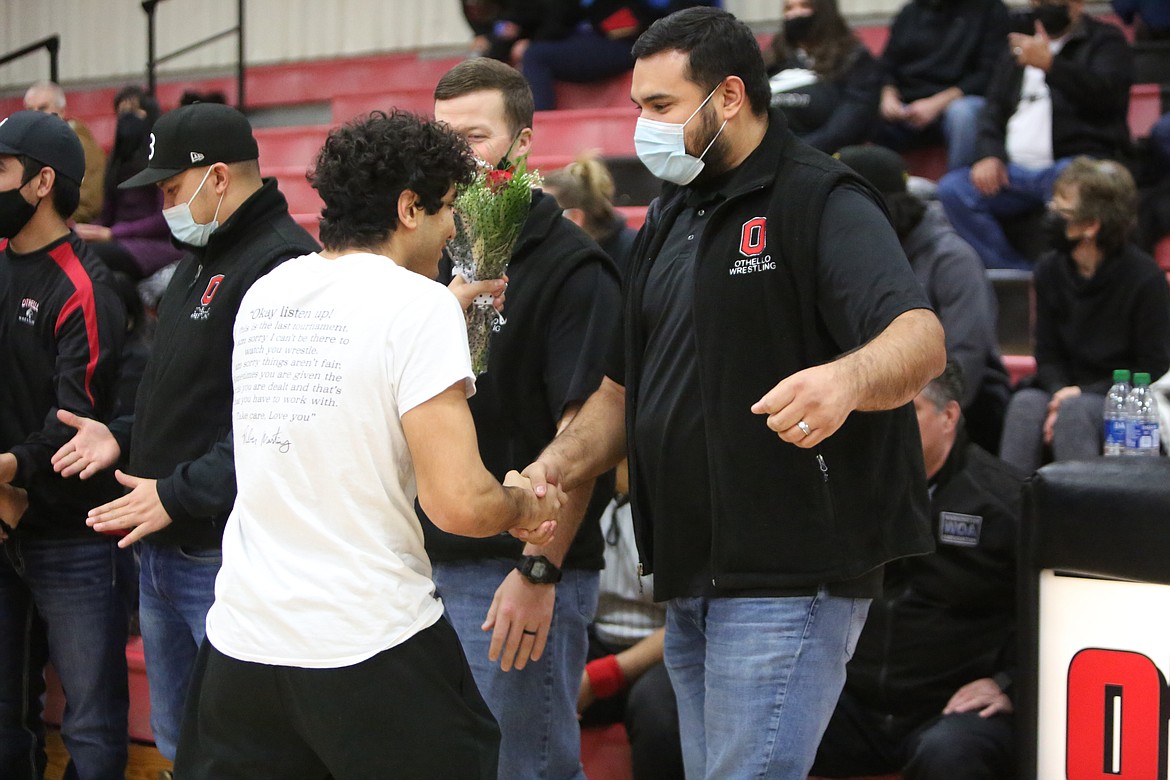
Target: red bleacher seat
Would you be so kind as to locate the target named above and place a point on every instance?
(290, 146)
(605, 753)
(1145, 106)
(571, 131)
(1019, 366)
(1162, 253)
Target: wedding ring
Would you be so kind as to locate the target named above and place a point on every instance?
(529, 633)
(804, 427)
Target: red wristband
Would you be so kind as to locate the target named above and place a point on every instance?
(605, 677)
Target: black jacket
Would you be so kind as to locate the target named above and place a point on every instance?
(782, 516)
(515, 416)
(1086, 328)
(61, 334)
(182, 426)
(952, 43)
(948, 618)
(1089, 82)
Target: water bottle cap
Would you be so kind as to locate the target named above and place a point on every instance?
(1120, 375)
(1141, 379)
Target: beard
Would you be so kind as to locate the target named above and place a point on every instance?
(715, 161)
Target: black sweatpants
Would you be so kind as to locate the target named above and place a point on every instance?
(412, 711)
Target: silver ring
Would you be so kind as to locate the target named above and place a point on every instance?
(804, 427)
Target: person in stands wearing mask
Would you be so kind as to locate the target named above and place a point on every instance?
(1061, 90)
(822, 77)
(767, 300)
(131, 235)
(180, 475)
(64, 590)
(1101, 304)
(522, 611)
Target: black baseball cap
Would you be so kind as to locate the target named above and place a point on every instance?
(195, 136)
(46, 138)
(883, 168)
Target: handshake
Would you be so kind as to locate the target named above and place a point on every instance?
(539, 500)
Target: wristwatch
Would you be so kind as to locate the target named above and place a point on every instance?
(539, 570)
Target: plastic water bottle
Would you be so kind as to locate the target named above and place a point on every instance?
(1141, 425)
(1115, 416)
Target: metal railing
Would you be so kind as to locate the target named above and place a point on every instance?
(52, 44)
(153, 61)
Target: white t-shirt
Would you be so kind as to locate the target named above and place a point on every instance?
(1029, 130)
(323, 558)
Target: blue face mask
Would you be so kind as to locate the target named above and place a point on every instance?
(661, 146)
(183, 225)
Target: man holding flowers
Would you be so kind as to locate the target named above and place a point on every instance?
(522, 611)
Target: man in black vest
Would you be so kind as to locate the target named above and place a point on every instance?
(928, 690)
(767, 301)
(235, 227)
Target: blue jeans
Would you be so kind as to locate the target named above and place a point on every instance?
(176, 588)
(536, 706)
(66, 601)
(1160, 142)
(582, 57)
(976, 216)
(757, 680)
(957, 128)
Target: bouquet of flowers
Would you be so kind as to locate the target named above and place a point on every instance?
(489, 213)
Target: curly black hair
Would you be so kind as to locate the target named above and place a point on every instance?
(367, 163)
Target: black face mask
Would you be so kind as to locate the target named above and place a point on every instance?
(1056, 230)
(798, 28)
(15, 212)
(1055, 19)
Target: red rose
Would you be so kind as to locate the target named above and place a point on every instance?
(497, 179)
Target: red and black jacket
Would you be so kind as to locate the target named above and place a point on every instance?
(61, 333)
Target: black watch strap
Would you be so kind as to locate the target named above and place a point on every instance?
(539, 570)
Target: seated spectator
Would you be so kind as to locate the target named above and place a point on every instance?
(1057, 93)
(587, 40)
(937, 64)
(1101, 304)
(823, 78)
(928, 691)
(625, 680)
(131, 235)
(498, 25)
(585, 191)
(1150, 18)
(48, 97)
(956, 284)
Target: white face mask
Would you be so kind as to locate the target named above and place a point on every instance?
(661, 146)
(184, 227)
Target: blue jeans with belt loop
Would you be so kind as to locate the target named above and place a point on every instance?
(757, 679)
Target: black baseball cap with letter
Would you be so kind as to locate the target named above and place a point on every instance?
(195, 136)
(46, 138)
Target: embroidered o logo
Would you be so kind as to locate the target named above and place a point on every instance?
(751, 239)
(212, 286)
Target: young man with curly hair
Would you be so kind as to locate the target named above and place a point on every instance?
(327, 652)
